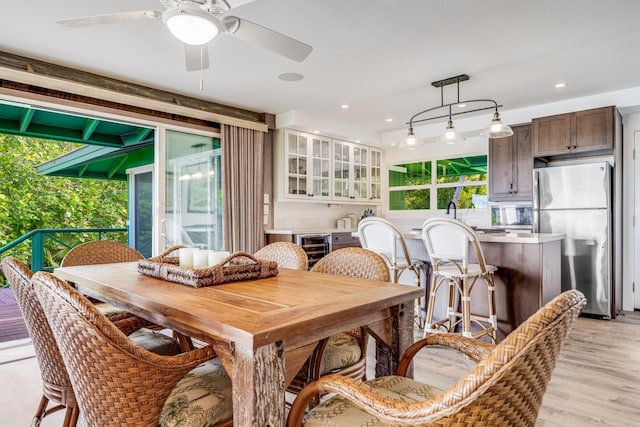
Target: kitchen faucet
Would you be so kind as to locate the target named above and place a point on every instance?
(454, 209)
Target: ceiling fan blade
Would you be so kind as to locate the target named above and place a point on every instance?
(266, 38)
(112, 18)
(197, 57)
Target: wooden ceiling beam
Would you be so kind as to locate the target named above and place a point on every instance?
(32, 72)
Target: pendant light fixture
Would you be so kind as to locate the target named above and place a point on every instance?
(495, 129)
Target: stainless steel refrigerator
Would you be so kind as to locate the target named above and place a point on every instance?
(576, 200)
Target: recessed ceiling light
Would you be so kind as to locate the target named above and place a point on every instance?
(357, 140)
(290, 77)
(388, 120)
(316, 131)
(462, 105)
(559, 85)
(345, 106)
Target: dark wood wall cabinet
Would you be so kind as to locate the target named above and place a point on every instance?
(574, 133)
(511, 166)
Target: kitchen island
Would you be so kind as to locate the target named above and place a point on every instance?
(528, 274)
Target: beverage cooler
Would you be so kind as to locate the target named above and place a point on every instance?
(315, 245)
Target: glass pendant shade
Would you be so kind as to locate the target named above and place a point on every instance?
(496, 128)
(450, 135)
(191, 26)
(411, 138)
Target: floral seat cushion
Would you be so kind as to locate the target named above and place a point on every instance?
(200, 399)
(338, 411)
(156, 342)
(342, 350)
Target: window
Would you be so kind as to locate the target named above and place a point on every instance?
(462, 180)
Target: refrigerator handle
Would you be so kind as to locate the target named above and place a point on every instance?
(536, 202)
(536, 191)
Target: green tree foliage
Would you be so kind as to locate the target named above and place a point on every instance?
(30, 201)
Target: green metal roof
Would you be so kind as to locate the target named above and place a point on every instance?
(112, 147)
(98, 162)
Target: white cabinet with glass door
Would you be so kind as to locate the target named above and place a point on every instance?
(307, 160)
(375, 171)
(356, 172)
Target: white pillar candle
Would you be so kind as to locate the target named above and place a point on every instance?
(200, 259)
(186, 257)
(217, 257)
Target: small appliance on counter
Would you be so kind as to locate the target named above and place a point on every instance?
(512, 216)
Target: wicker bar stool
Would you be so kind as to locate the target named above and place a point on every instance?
(344, 353)
(119, 383)
(286, 254)
(504, 389)
(447, 242)
(384, 238)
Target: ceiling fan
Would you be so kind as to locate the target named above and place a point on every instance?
(197, 22)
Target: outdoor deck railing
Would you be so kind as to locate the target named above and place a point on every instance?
(39, 237)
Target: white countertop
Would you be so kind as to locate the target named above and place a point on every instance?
(502, 237)
(506, 237)
(310, 230)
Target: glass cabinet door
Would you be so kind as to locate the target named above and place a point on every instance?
(341, 166)
(375, 164)
(296, 157)
(360, 172)
(321, 158)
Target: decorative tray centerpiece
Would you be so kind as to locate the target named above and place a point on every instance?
(237, 266)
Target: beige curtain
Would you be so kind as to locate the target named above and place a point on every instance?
(242, 188)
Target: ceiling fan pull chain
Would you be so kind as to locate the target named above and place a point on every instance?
(201, 67)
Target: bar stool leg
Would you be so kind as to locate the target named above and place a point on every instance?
(451, 309)
(466, 308)
(418, 305)
(428, 323)
(493, 317)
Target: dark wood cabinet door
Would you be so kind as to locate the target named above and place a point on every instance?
(592, 130)
(523, 163)
(501, 154)
(552, 135)
(511, 166)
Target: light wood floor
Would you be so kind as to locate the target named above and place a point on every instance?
(596, 381)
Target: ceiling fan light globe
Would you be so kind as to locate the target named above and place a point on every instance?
(191, 26)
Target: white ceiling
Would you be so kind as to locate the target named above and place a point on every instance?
(379, 56)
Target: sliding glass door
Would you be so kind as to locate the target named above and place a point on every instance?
(193, 193)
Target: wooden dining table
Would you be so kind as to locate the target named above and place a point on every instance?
(263, 330)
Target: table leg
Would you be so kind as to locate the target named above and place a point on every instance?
(401, 325)
(258, 379)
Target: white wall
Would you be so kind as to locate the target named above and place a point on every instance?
(631, 124)
(303, 215)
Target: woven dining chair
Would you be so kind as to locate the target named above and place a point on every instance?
(346, 352)
(106, 252)
(286, 254)
(56, 386)
(119, 383)
(504, 389)
(55, 380)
